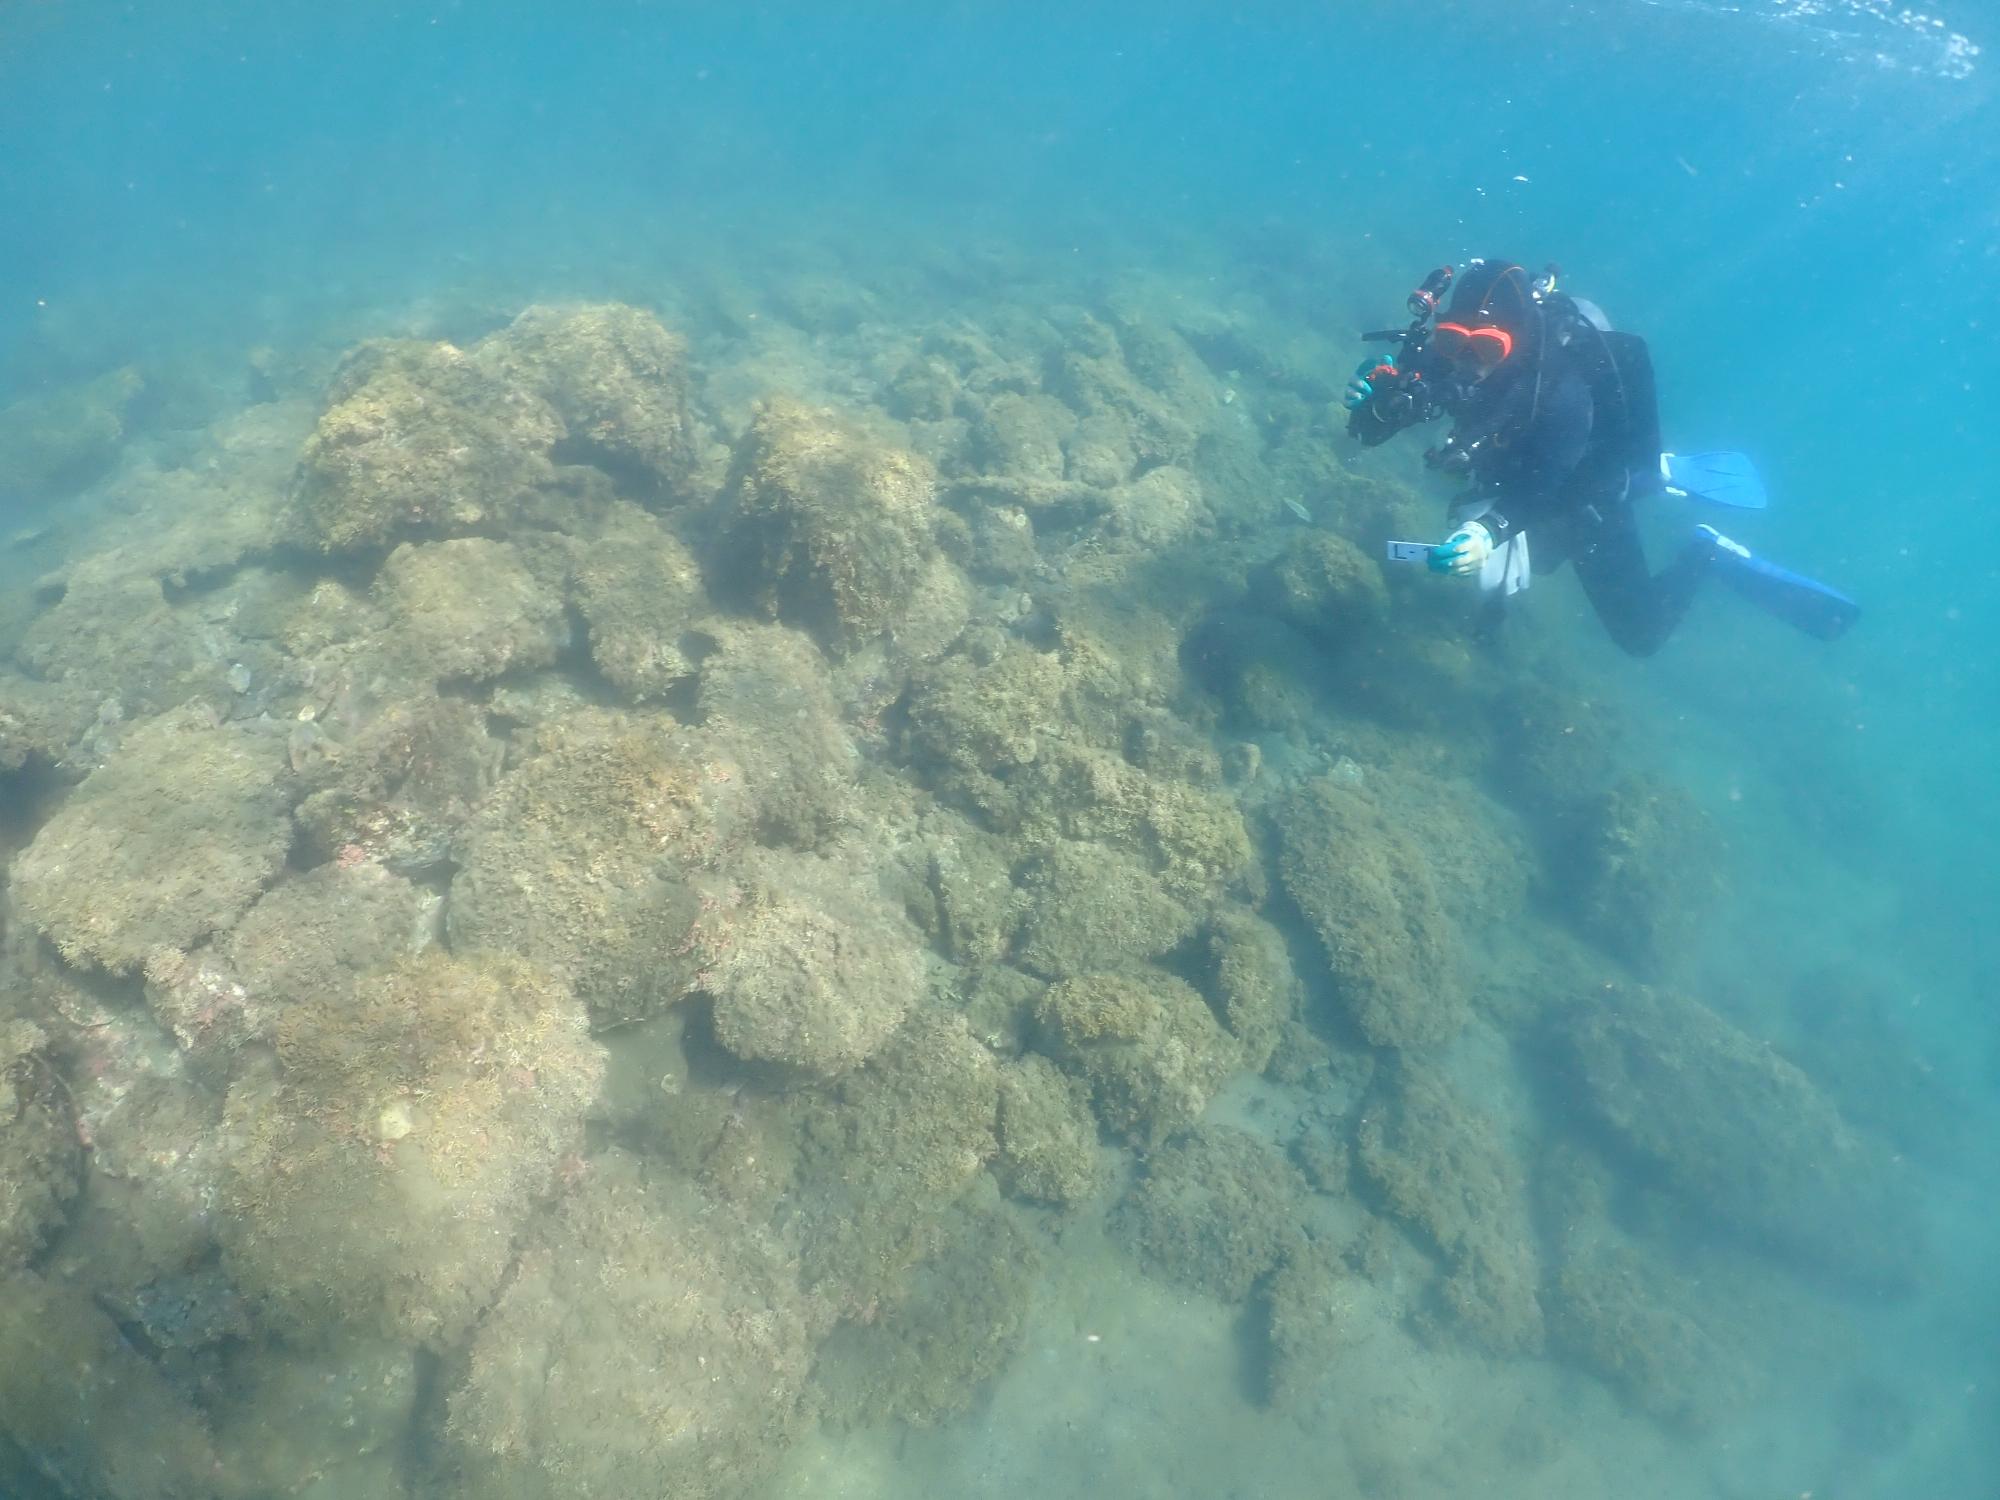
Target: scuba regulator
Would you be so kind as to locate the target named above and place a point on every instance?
(1386, 397)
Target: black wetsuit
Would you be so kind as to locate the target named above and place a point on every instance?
(1562, 446)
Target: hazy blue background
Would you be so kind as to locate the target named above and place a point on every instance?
(1803, 214)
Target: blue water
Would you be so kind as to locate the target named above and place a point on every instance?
(1798, 204)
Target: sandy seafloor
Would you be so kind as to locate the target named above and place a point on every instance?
(1811, 1319)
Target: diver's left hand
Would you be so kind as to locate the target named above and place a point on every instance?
(1464, 552)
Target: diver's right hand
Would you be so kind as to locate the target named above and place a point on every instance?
(1371, 372)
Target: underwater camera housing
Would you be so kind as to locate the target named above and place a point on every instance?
(1405, 398)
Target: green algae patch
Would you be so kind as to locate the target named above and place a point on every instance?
(1048, 1137)
(1214, 1211)
(1367, 889)
(168, 841)
(1440, 1167)
(924, 1357)
(376, 1178)
(1146, 1043)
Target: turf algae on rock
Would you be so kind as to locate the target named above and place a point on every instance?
(376, 1176)
(650, 1342)
(168, 841)
(1369, 893)
(1741, 1134)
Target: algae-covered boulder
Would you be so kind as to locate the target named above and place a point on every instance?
(808, 968)
(114, 637)
(923, 1358)
(827, 528)
(1192, 838)
(764, 699)
(1022, 435)
(420, 440)
(985, 711)
(1214, 1211)
(39, 720)
(1313, 1320)
(1442, 1168)
(618, 380)
(1740, 1133)
(83, 1404)
(886, 1153)
(1147, 1044)
(638, 589)
(1089, 907)
(393, 781)
(317, 935)
(144, 1221)
(1554, 749)
(1250, 982)
(1643, 873)
(466, 609)
(582, 857)
(1160, 506)
(1855, 1032)
(166, 842)
(1325, 586)
(1366, 888)
(649, 1343)
(378, 1176)
(309, 938)
(40, 1159)
(1048, 1136)
(1137, 388)
(958, 885)
(1615, 1313)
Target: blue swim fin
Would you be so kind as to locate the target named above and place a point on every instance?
(1811, 606)
(1719, 478)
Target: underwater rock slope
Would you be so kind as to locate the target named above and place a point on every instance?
(581, 903)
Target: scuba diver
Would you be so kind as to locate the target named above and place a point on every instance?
(1556, 432)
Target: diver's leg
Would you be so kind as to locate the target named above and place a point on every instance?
(1814, 607)
(1639, 608)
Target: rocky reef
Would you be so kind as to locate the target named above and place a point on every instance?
(584, 900)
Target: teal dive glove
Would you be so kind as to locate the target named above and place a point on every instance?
(1464, 552)
(1362, 386)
